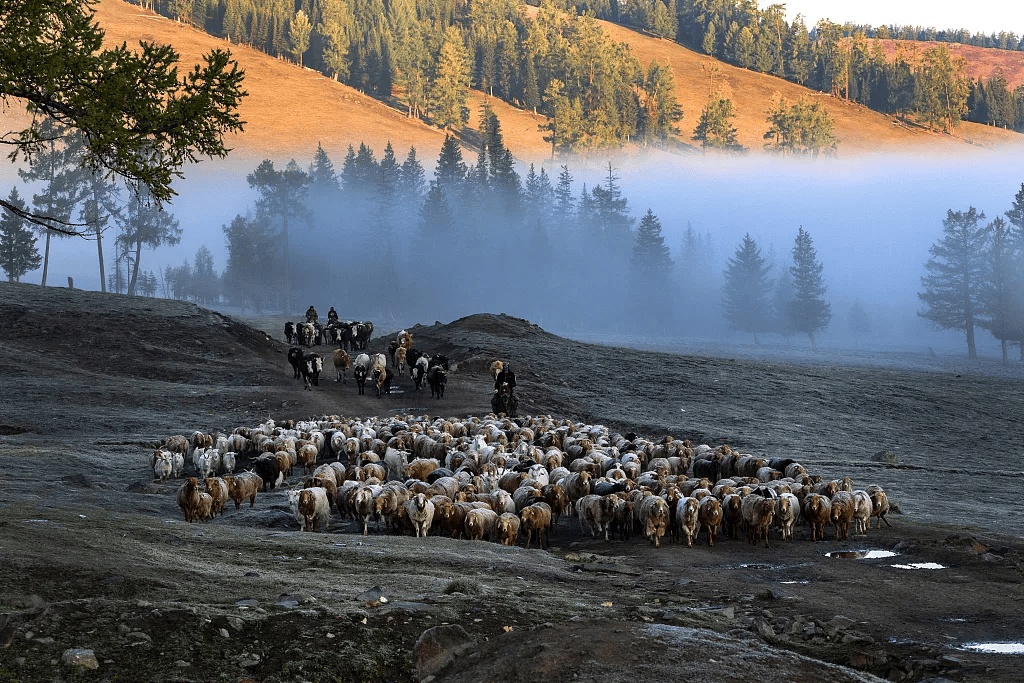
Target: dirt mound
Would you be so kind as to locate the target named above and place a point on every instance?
(78, 331)
(500, 325)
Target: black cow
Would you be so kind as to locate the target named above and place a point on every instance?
(438, 360)
(418, 372)
(295, 358)
(312, 365)
(289, 331)
(392, 349)
(437, 378)
(359, 372)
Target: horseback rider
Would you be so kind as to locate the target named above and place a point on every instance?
(506, 376)
(311, 316)
(332, 316)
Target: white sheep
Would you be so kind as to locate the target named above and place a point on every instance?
(421, 513)
(310, 508)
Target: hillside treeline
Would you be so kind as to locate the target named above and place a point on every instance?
(424, 55)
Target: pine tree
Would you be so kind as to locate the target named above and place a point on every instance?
(323, 181)
(1003, 294)
(954, 286)
(714, 129)
(808, 312)
(450, 171)
(450, 87)
(650, 265)
(282, 196)
(412, 183)
(18, 253)
(613, 221)
(299, 29)
(745, 294)
(858, 321)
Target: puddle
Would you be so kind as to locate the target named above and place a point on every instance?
(861, 554)
(804, 581)
(995, 648)
(920, 565)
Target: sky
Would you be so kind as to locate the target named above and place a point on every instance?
(987, 16)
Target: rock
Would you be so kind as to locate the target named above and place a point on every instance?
(373, 597)
(439, 646)
(139, 636)
(247, 602)
(83, 658)
(841, 623)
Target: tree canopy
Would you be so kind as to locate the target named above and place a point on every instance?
(140, 120)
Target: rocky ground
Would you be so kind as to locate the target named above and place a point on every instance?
(95, 557)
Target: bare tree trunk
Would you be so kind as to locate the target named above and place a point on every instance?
(1003, 342)
(46, 259)
(99, 250)
(135, 268)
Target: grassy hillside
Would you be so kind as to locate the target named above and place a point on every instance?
(290, 109)
(859, 129)
(984, 62)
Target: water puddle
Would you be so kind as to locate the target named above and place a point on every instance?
(996, 648)
(920, 565)
(861, 554)
(801, 582)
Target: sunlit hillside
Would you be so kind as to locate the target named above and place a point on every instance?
(290, 109)
(859, 129)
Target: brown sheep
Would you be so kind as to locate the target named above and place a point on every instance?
(218, 490)
(479, 522)
(189, 499)
(507, 528)
(554, 495)
(536, 517)
(758, 513)
(841, 513)
(204, 512)
(709, 514)
(817, 510)
(244, 485)
(879, 505)
(654, 518)
(307, 456)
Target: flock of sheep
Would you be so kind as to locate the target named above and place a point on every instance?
(499, 478)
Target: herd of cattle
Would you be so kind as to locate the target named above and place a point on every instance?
(500, 478)
(423, 368)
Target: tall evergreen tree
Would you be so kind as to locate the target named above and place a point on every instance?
(954, 286)
(745, 294)
(252, 242)
(1003, 294)
(323, 181)
(650, 265)
(299, 29)
(412, 182)
(282, 196)
(714, 128)
(205, 283)
(613, 222)
(18, 253)
(782, 296)
(450, 171)
(857, 320)
(450, 87)
(808, 311)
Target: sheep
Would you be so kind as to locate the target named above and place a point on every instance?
(861, 512)
(879, 505)
(268, 467)
(188, 498)
(227, 462)
(307, 456)
(507, 528)
(421, 513)
(311, 508)
(242, 486)
(555, 496)
(479, 522)
(758, 512)
(841, 513)
(654, 518)
(709, 514)
(218, 490)
(341, 364)
(390, 497)
(817, 510)
(162, 462)
(362, 504)
(577, 485)
(787, 509)
(595, 514)
(204, 510)
(536, 517)
(687, 522)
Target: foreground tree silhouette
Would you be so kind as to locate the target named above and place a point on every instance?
(18, 253)
(145, 224)
(745, 295)
(142, 122)
(807, 312)
(650, 265)
(954, 286)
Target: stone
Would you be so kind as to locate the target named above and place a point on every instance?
(80, 658)
(437, 647)
(139, 636)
